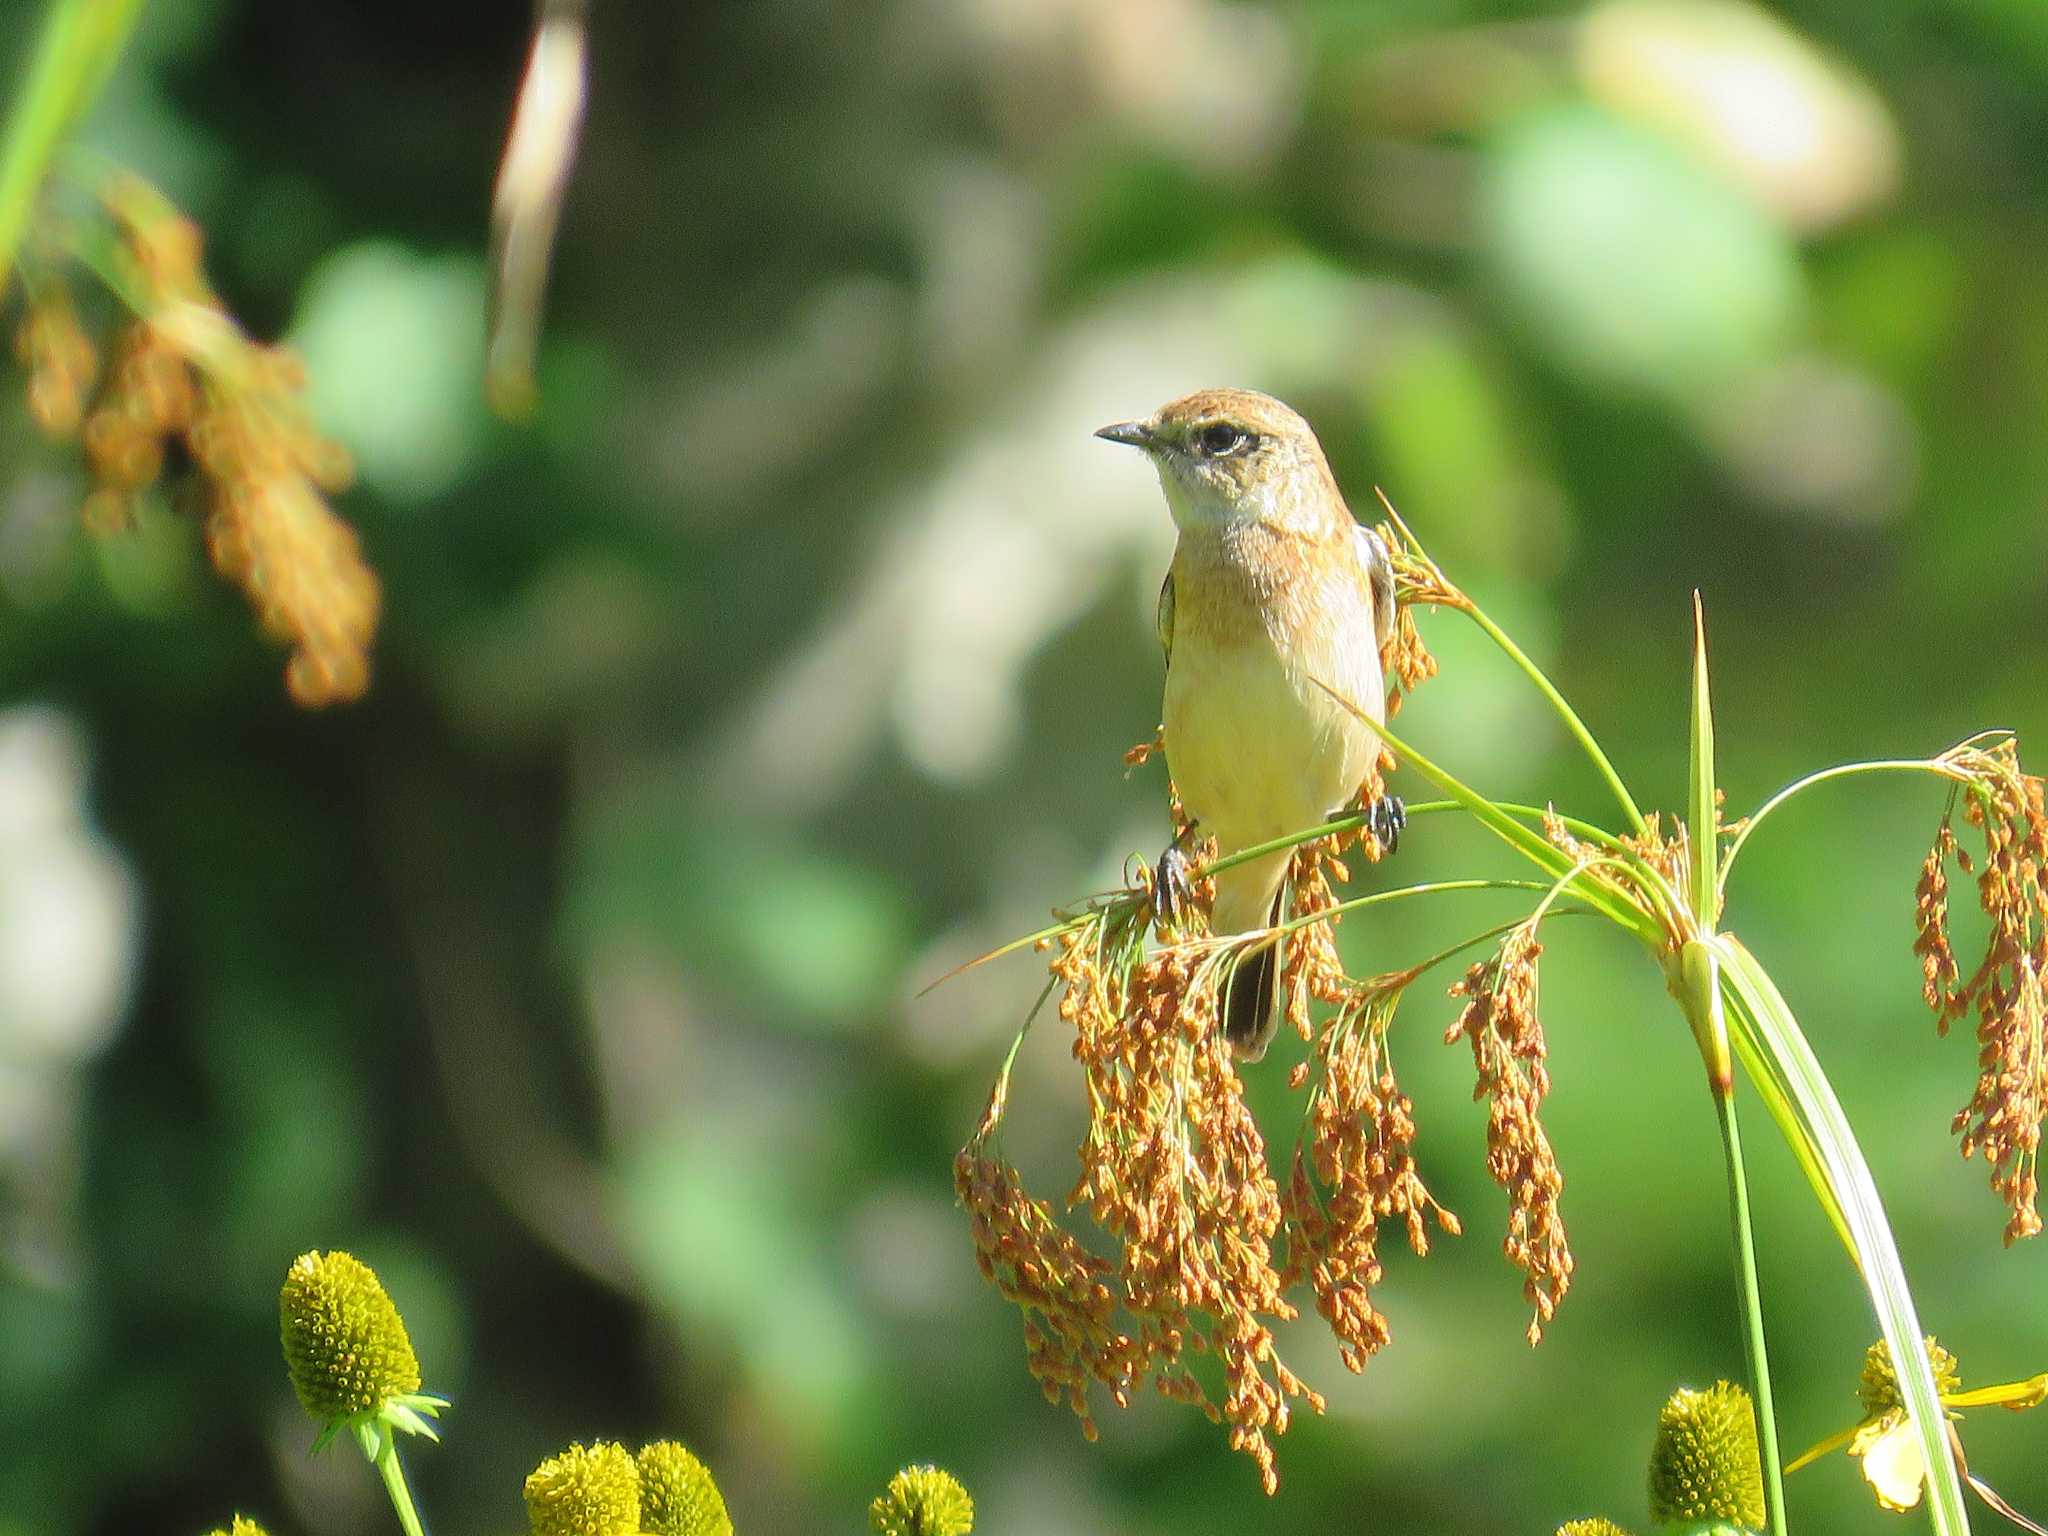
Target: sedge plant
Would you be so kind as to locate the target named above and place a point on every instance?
(1211, 1247)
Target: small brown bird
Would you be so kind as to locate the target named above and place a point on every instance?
(1275, 592)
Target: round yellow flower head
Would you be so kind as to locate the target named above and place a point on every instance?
(241, 1525)
(1704, 1465)
(677, 1495)
(344, 1342)
(922, 1501)
(589, 1490)
(1594, 1526)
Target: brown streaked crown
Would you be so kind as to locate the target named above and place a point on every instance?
(1246, 409)
(1228, 456)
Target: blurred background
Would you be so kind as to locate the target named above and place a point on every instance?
(786, 660)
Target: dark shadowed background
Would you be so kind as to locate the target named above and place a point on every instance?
(786, 660)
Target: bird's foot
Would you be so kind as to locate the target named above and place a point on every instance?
(1173, 881)
(1387, 819)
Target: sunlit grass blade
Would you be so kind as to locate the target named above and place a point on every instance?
(1700, 800)
(1774, 1088)
(1524, 840)
(1832, 1155)
(71, 60)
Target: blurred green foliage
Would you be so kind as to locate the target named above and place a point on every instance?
(786, 660)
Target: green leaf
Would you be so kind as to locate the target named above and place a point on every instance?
(1700, 804)
(1804, 1104)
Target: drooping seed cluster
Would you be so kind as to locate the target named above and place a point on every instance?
(2008, 989)
(183, 376)
(62, 362)
(1500, 1022)
(1174, 1170)
(1070, 1325)
(1174, 1167)
(1353, 1171)
(1311, 970)
(1404, 659)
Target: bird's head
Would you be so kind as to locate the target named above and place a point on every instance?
(1231, 457)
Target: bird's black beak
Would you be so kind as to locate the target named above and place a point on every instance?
(1133, 434)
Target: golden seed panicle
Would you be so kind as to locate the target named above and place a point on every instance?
(2008, 989)
(1500, 1022)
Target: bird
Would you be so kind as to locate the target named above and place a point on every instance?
(1272, 617)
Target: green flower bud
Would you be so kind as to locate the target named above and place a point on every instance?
(344, 1342)
(677, 1495)
(922, 1501)
(1704, 1465)
(585, 1491)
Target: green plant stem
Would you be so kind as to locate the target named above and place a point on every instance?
(1431, 888)
(1752, 1316)
(72, 58)
(394, 1484)
(1781, 1062)
(1933, 765)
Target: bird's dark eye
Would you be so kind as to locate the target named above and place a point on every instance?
(1220, 439)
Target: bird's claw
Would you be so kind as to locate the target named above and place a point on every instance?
(1387, 818)
(1173, 885)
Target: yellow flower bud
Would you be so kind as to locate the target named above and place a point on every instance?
(922, 1501)
(677, 1495)
(1704, 1465)
(585, 1491)
(344, 1342)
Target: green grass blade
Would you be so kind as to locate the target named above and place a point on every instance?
(1526, 841)
(1815, 1118)
(1700, 803)
(71, 60)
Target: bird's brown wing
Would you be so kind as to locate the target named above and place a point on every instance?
(1379, 570)
(1166, 616)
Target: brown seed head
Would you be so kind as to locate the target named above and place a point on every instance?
(2008, 990)
(1499, 1020)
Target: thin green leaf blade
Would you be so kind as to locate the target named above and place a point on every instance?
(1818, 1119)
(73, 56)
(1773, 1088)
(1526, 841)
(1700, 802)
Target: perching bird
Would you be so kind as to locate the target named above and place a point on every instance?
(1275, 593)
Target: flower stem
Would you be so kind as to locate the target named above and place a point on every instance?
(394, 1484)
(1933, 765)
(1429, 889)
(1752, 1315)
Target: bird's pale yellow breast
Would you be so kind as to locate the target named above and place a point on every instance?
(1261, 619)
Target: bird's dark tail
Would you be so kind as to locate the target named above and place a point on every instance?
(1251, 1001)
